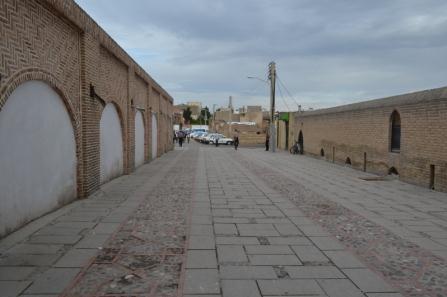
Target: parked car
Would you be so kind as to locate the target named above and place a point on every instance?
(222, 139)
(208, 138)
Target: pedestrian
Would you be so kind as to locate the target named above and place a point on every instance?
(175, 137)
(267, 141)
(216, 141)
(181, 136)
(188, 137)
(236, 139)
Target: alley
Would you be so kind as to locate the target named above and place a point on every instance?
(207, 221)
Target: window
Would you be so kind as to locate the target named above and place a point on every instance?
(395, 132)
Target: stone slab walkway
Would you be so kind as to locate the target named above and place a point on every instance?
(206, 221)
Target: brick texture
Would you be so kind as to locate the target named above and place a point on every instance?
(362, 132)
(55, 41)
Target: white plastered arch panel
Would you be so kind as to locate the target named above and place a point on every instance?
(111, 144)
(139, 138)
(37, 155)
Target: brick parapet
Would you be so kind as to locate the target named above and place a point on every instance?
(57, 42)
(365, 128)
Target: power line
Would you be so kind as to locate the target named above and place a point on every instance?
(290, 95)
(282, 97)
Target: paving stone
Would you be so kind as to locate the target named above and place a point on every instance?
(313, 230)
(53, 281)
(225, 229)
(35, 249)
(201, 281)
(13, 288)
(197, 242)
(314, 272)
(202, 220)
(240, 288)
(309, 254)
(106, 228)
(231, 253)
(384, 295)
(273, 213)
(289, 241)
(340, 288)
(76, 258)
(268, 250)
(201, 230)
(237, 240)
(92, 241)
(201, 259)
(221, 212)
(344, 259)
(79, 225)
(28, 260)
(368, 281)
(327, 243)
(301, 221)
(287, 229)
(201, 211)
(202, 295)
(230, 220)
(288, 287)
(274, 260)
(51, 230)
(257, 230)
(247, 272)
(8, 273)
(55, 239)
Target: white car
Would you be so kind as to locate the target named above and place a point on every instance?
(222, 139)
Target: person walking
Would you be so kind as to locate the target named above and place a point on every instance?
(236, 139)
(181, 136)
(267, 141)
(216, 140)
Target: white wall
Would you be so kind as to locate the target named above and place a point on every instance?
(154, 136)
(139, 139)
(111, 144)
(37, 155)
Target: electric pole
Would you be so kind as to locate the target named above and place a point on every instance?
(272, 78)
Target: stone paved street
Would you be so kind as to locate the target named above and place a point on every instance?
(206, 221)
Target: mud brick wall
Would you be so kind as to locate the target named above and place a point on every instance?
(362, 132)
(55, 41)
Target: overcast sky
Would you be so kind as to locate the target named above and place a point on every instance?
(327, 52)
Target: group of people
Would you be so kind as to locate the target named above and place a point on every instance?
(179, 136)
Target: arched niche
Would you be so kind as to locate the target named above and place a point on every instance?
(139, 138)
(111, 144)
(38, 155)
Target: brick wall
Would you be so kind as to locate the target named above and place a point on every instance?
(362, 132)
(57, 42)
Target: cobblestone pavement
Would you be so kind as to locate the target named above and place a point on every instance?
(215, 222)
(128, 239)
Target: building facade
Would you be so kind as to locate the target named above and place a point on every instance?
(75, 109)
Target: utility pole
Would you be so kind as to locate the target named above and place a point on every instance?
(272, 78)
(214, 117)
(230, 110)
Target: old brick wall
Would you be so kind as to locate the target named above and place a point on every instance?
(55, 41)
(362, 133)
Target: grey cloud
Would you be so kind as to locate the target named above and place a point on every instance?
(328, 52)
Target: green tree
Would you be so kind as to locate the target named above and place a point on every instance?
(187, 115)
(203, 112)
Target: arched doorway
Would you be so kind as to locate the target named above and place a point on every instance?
(139, 138)
(154, 136)
(38, 155)
(301, 142)
(111, 144)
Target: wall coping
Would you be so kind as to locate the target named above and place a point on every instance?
(75, 14)
(391, 101)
